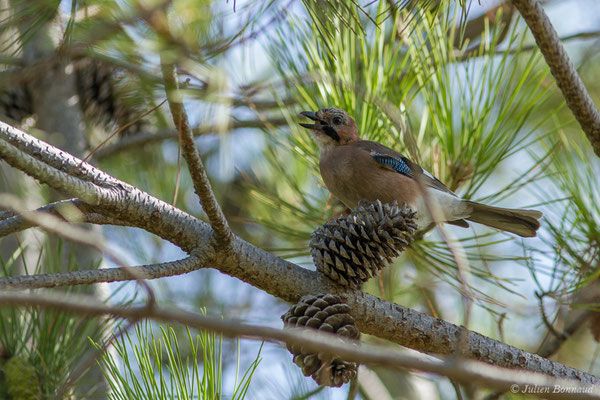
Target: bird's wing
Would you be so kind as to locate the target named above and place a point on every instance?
(389, 159)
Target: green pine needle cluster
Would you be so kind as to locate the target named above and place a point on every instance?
(144, 366)
(573, 239)
(51, 342)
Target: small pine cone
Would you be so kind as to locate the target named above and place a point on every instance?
(352, 249)
(327, 313)
(101, 100)
(95, 89)
(22, 382)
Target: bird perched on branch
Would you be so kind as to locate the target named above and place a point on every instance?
(355, 169)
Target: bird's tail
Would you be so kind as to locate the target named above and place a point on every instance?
(520, 222)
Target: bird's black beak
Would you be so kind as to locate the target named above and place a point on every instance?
(313, 115)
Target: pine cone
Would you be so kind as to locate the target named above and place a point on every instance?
(352, 249)
(327, 313)
(102, 97)
(22, 382)
(95, 89)
(16, 102)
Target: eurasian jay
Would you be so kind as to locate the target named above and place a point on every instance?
(355, 169)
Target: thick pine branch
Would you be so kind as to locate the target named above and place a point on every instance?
(262, 269)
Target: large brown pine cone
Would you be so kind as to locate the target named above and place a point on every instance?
(352, 249)
(327, 313)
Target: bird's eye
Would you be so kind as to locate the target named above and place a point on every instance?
(337, 120)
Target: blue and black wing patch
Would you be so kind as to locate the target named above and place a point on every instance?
(397, 164)
(404, 166)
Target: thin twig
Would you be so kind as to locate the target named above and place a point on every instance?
(311, 393)
(121, 129)
(477, 26)
(559, 335)
(140, 139)
(553, 344)
(371, 386)
(576, 95)
(567, 38)
(202, 185)
(465, 371)
(71, 278)
(457, 390)
(353, 390)
(11, 222)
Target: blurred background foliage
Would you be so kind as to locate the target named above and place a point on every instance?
(457, 86)
(50, 343)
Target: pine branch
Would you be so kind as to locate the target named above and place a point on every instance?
(566, 38)
(11, 222)
(134, 141)
(19, 158)
(262, 269)
(576, 95)
(87, 277)
(554, 344)
(464, 371)
(108, 195)
(190, 153)
(57, 159)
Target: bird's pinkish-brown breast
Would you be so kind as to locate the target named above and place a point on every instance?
(351, 174)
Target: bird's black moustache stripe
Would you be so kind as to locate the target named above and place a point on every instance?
(329, 131)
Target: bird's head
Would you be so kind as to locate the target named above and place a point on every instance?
(332, 127)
